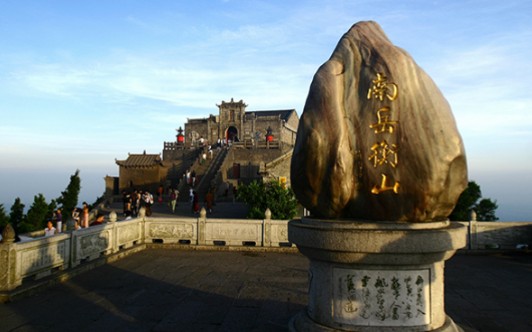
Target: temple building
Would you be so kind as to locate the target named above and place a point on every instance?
(233, 147)
(234, 124)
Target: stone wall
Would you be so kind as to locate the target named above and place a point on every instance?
(142, 177)
(279, 167)
(250, 128)
(194, 129)
(501, 235)
(289, 132)
(261, 125)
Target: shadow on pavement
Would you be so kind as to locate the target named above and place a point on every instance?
(169, 290)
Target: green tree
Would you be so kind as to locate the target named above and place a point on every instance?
(486, 210)
(4, 218)
(37, 214)
(466, 202)
(469, 200)
(16, 216)
(259, 196)
(69, 198)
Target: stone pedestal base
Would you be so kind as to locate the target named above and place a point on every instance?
(375, 276)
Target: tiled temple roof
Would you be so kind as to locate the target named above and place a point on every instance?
(141, 160)
(284, 114)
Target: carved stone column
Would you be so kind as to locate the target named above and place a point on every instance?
(8, 280)
(372, 276)
(202, 220)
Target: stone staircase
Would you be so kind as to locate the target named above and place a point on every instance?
(207, 179)
(205, 173)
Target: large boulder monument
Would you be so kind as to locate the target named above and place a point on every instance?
(380, 164)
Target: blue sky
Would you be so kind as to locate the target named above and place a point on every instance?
(85, 82)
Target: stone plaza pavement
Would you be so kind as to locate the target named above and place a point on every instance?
(174, 289)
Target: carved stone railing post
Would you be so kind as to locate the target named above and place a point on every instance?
(112, 216)
(8, 280)
(267, 229)
(472, 231)
(114, 233)
(142, 212)
(112, 221)
(202, 220)
(143, 230)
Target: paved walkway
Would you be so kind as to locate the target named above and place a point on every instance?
(179, 290)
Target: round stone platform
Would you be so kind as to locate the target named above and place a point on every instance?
(367, 276)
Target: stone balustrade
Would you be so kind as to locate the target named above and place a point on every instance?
(40, 257)
(498, 235)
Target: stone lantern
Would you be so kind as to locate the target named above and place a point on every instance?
(180, 137)
(269, 134)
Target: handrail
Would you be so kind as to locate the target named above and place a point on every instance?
(40, 257)
(43, 256)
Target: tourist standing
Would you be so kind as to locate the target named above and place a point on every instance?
(160, 192)
(174, 194)
(85, 216)
(209, 201)
(128, 209)
(125, 197)
(59, 220)
(76, 215)
(187, 176)
(138, 199)
(195, 203)
(148, 201)
(193, 176)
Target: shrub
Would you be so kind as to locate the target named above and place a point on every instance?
(260, 196)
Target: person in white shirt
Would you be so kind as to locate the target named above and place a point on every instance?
(49, 230)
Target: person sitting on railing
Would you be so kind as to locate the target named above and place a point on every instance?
(76, 215)
(99, 220)
(50, 229)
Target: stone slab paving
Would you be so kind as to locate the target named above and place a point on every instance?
(490, 292)
(181, 290)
